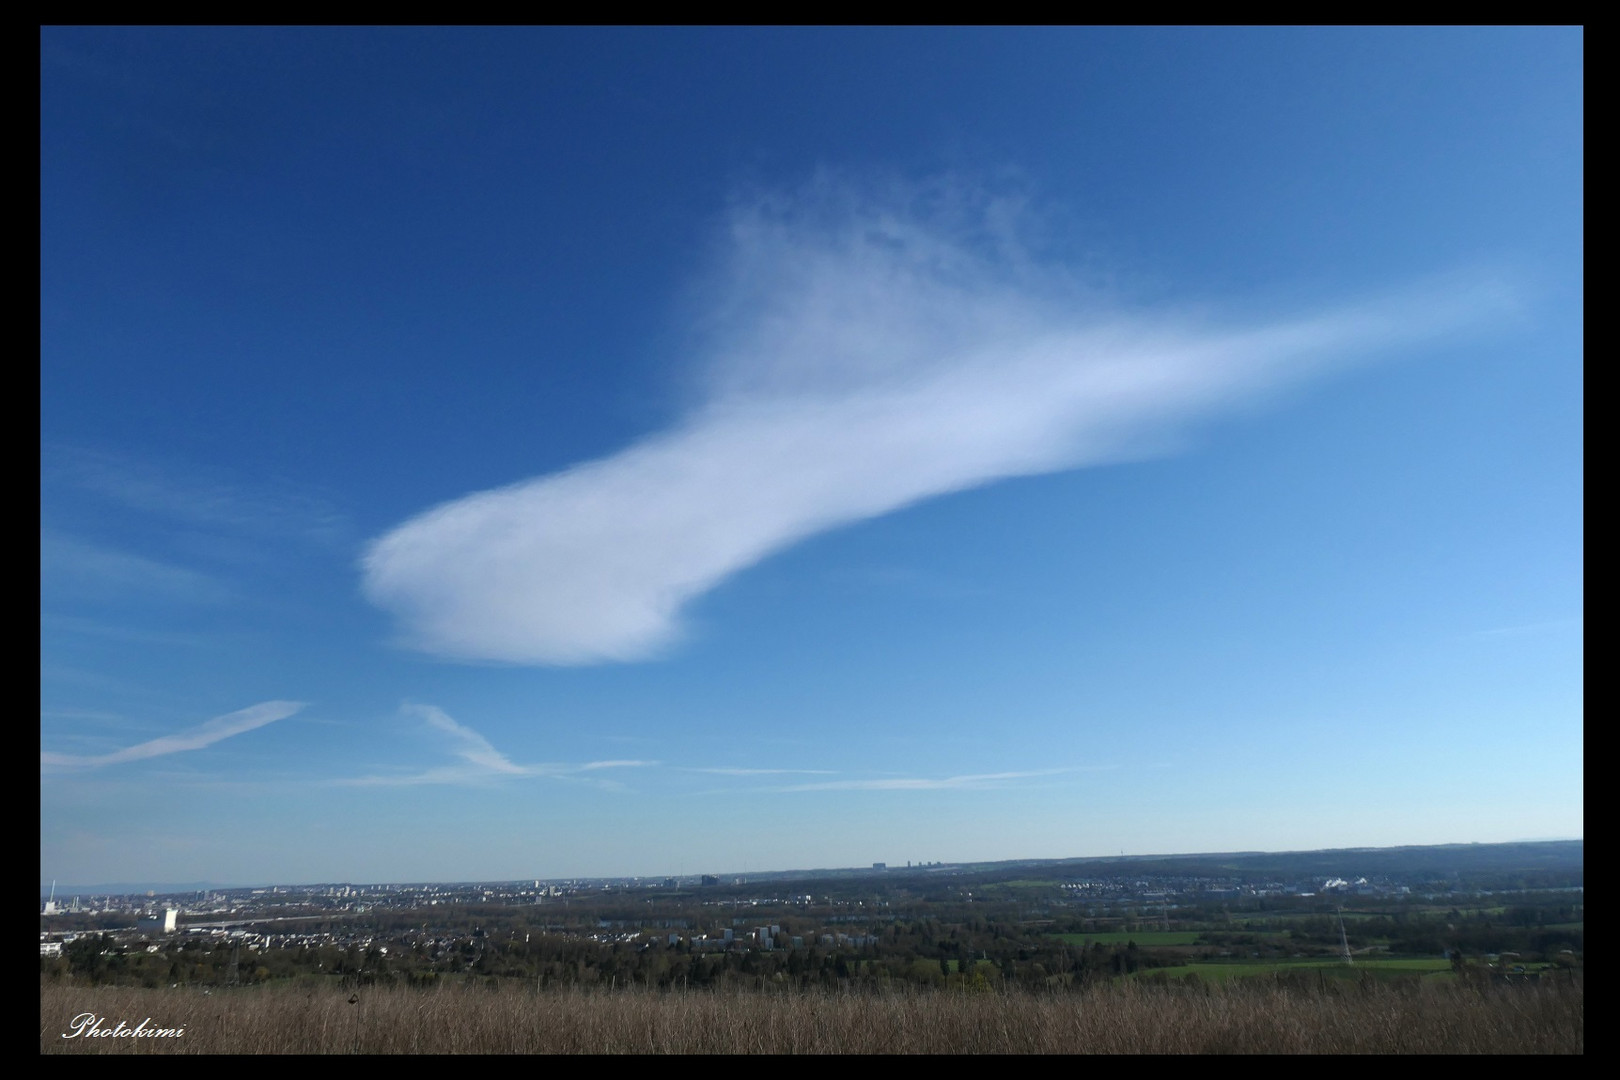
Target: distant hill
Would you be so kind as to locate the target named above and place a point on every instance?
(1561, 859)
(1537, 861)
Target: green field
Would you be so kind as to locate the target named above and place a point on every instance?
(1285, 917)
(1141, 937)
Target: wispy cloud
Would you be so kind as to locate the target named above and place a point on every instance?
(760, 772)
(479, 762)
(472, 748)
(82, 714)
(861, 353)
(206, 734)
(897, 783)
(1527, 629)
(75, 567)
(69, 624)
(191, 495)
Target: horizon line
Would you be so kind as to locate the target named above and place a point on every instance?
(111, 888)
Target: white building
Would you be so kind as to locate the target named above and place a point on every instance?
(159, 924)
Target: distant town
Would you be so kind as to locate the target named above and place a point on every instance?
(1509, 910)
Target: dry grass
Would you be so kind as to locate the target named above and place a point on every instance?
(1111, 1019)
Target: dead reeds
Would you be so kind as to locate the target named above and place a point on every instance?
(1117, 1018)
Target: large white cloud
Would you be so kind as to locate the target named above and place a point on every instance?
(860, 355)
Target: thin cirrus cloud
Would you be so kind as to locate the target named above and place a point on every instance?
(72, 567)
(719, 771)
(943, 783)
(860, 353)
(205, 734)
(188, 496)
(478, 762)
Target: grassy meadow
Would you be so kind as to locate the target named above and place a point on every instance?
(1329, 968)
(1365, 1015)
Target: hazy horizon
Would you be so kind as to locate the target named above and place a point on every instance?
(173, 887)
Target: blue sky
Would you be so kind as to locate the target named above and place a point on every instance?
(533, 453)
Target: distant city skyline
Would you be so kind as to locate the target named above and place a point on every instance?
(728, 877)
(486, 454)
